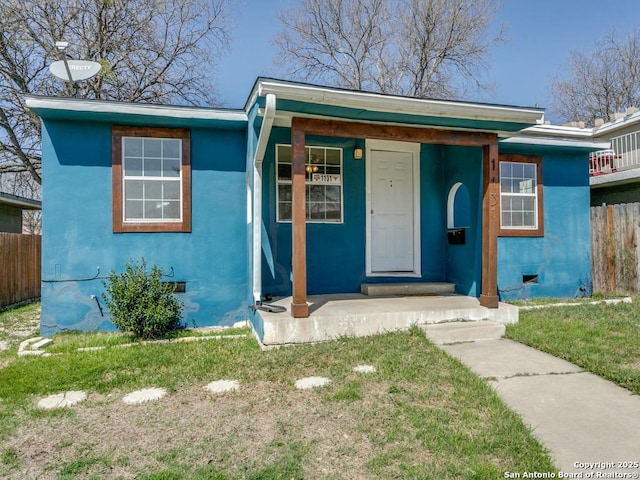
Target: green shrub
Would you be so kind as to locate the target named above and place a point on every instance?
(141, 303)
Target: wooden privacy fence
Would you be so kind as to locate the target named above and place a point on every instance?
(615, 243)
(19, 267)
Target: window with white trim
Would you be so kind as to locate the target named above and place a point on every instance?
(151, 180)
(520, 195)
(323, 167)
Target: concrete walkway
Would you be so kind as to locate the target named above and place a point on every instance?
(590, 426)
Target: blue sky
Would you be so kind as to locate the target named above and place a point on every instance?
(541, 34)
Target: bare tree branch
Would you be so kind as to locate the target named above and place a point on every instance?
(418, 48)
(335, 41)
(148, 50)
(601, 82)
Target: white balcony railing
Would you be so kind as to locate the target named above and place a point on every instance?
(623, 155)
(601, 162)
(627, 146)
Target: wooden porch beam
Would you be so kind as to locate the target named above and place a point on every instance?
(340, 128)
(490, 224)
(299, 305)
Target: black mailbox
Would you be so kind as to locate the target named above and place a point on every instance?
(456, 236)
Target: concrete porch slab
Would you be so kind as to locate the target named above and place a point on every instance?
(357, 315)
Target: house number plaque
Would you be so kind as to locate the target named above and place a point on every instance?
(325, 178)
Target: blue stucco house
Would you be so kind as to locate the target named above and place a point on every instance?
(308, 190)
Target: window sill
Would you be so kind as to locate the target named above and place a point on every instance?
(507, 232)
(160, 227)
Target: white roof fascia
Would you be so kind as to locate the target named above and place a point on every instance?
(611, 127)
(615, 178)
(284, 119)
(109, 107)
(21, 202)
(558, 136)
(559, 131)
(395, 104)
(557, 142)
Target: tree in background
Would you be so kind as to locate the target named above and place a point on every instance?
(601, 82)
(150, 51)
(418, 48)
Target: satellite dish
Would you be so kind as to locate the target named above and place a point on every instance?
(79, 69)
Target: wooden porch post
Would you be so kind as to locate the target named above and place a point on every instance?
(490, 225)
(299, 306)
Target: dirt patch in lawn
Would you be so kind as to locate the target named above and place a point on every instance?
(17, 324)
(414, 418)
(260, 424)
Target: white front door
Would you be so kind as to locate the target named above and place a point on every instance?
(393, 208)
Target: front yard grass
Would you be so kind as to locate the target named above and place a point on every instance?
(422, 414)
(602, 339)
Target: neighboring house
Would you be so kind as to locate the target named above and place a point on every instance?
(20, 255)
(11, 207)
(393, 189)
(615, 172)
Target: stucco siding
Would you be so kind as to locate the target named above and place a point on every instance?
(79, 243)
(562, 258)
(433, 221)
(335, 251)
(463, 261)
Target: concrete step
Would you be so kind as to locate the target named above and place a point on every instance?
(456, 332)
(412, 288)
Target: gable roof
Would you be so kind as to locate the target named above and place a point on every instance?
(524, 124)
(302, 99)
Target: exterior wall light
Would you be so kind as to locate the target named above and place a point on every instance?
(357, 153)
